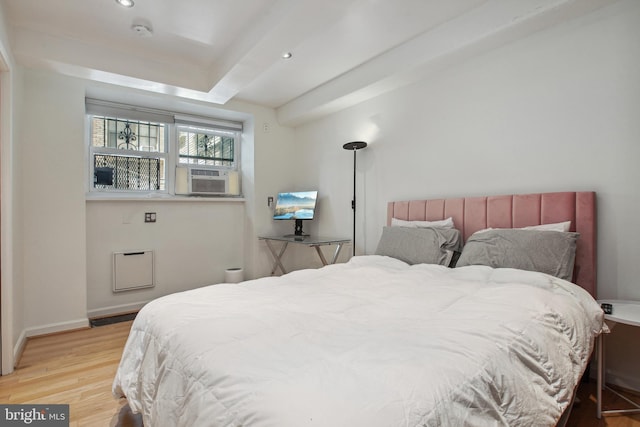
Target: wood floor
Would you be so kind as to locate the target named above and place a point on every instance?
(77, 368)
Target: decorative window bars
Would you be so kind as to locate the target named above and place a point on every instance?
(126, 172)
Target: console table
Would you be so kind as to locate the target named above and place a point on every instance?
(627, 312)
(311, 241)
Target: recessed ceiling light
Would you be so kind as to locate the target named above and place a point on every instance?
(125, 3)
(287, 55)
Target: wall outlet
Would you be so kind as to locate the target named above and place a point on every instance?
(149, 217)
(266, 127)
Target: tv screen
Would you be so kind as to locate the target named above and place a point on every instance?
(296, 205)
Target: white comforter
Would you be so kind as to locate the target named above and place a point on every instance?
(373, 342)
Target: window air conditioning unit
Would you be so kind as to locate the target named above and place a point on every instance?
(206, 182)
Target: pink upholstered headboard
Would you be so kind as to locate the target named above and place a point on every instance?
(471, 214)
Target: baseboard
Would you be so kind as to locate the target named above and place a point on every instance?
(617, 379)
(625, 382)
(57, 327)
(116, 310)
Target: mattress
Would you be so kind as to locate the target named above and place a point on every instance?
(372, 342)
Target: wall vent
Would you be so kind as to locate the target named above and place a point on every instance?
(132, 270)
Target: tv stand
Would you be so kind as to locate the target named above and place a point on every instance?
(313, 242)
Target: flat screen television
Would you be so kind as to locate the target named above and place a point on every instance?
(298, 206)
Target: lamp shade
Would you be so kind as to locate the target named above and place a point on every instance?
(354, 145)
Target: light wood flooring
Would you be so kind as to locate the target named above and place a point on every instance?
(77, 368)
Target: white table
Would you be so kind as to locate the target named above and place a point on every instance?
(311, 241)
(627, 312)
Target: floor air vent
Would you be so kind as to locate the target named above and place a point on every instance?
(102, 321)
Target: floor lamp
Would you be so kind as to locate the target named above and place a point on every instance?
(354, 146)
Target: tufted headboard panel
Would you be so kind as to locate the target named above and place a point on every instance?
(471, 214)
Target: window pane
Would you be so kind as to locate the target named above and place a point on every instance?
(199, 147)
(128, 173)
(128, 135)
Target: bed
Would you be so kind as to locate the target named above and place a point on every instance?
(382, 340)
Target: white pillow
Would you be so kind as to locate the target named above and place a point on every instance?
(444, 223)
(558, 226)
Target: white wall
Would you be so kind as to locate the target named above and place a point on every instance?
(67, 240)
(12, 268)
(268, 160)
(193, 243)
(281, 166)
(11, 296)
(50, 141)
(555, 111)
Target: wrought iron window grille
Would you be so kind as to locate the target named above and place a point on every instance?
(126, 172)
(127, 135)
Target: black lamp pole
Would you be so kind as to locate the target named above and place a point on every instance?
(354, 146)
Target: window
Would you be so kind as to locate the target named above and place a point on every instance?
(201, 146)
(137, 150)
(128, 155)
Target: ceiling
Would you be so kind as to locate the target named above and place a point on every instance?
(343, 51)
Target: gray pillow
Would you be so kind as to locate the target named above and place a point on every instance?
(419, 245)
(550, 252)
